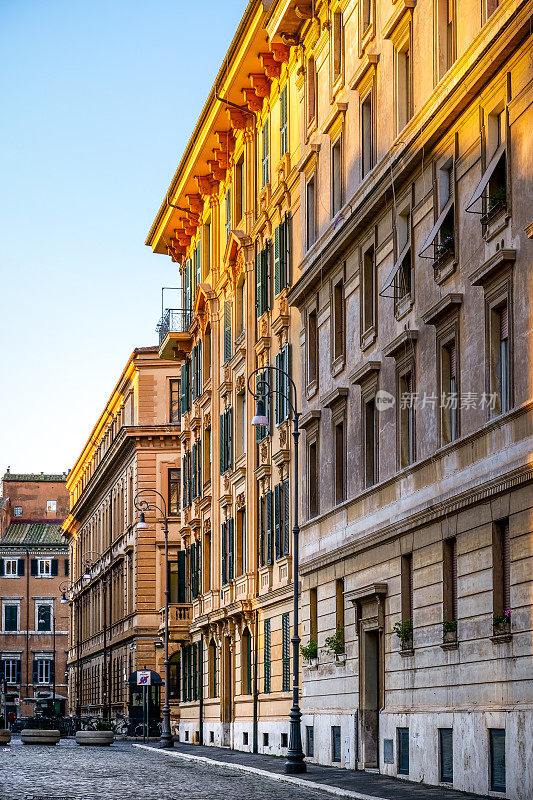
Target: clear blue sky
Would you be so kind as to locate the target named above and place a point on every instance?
(98, 100)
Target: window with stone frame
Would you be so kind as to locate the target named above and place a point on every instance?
(312, 350)
(445, 28)
(368, 291)
(337, 321)
(311, 91)
(337, 47)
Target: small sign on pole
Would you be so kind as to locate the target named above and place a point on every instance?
(144, 677)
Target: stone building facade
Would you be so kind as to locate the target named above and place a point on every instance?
(33, 566)
(415, 304)
(117, 582)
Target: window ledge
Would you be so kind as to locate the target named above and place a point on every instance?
(403, 306)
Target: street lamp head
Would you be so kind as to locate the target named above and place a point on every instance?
(141, 525)
(63, 598)
(260, 417)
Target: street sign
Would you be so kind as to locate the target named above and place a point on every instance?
(144, 677)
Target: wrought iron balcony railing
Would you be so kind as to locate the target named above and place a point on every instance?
(175, 320)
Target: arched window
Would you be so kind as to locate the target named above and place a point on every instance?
(213, 669)
(175, 674)
(246, 662)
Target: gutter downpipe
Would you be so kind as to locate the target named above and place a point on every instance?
(27, 622)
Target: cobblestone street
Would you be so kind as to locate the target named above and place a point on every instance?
(122, 772)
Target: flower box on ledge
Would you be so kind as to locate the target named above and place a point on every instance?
(406, 647)
(341, 657)
(501, 628)
(496, 209)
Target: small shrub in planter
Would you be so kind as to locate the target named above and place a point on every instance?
(335, 643)
(502, 622)
(404, 632)
(449, 630)
(310, 651)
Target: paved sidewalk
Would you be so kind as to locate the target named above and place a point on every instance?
(357, 785)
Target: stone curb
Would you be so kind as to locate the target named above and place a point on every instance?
(273, 776)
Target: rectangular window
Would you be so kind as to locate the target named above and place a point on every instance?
(403, 266)
(282, 397)
(403, 86)
(262, 385)
(445, 34)
(227, 330)
(44, 567)
(446, 754)
(312, 349)
(12, 670)
(207, 249)
(241, 425)
(367, 135)
(449, 580)
(44, 618)
(175, 402)
(368, 291)
(366, 15)
(174, 489)
(313, 615)
(338, 321)
(311, 90)
(336, 177)
(226, 440)
(286, 653)
(339, 608)
(497, 760)
(403, 751)
(240, 187)
(11, 612)
(312, 455)
(370, 440)
(501, 568)
(267, 664)
(310, 212)
(10, 567)
(406, 419)
(281, 256)
(407, 587)
(43, 671)
(500, 358)
(449, 399)
(228, 214)
(340, 461)
(336, 743)
(283, 122)
(240, 555)
(262, 281)
(310, 740)
(337, 46)
(266, 153)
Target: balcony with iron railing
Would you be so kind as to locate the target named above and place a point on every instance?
(173, 332)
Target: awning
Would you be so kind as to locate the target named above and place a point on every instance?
(436, 227)
(487, 175)
(395, 268)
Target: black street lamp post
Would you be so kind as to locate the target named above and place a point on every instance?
(142, 505)
(295, 756)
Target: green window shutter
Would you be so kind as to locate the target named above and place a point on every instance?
(258, 283)
(261, 515)
(199, 263)
(285, 252)
(269, 528)
(231, 548)
(277, 519)
(277, 259)
(199, 467)
(286, 516)
(284, 144)
(193, 279)
(279, 382)
(222, 443)
(189, 478)
(267, 664)
(194, 395)
(266, 155)
(268, 409)
(227, 330)
(228, 213)
(286, 652)
(183, 388)
(265, 280)
(184, 487)
(199, 366)
(249, 664)
(229, 435)
(194, 490)
(223, 546)
(286, 362)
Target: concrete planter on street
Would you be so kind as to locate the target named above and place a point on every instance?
(35, 736)
(5, 736)
(95, 738)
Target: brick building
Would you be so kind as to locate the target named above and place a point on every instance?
(34, 569)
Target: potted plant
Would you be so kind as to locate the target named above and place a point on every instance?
(449, 630)
(445, 248)
(5, 735)
(310, 653)
(101, 735)
(498, 198)
(404, 632)
(501, 623)
(335, 644)
(44, 731)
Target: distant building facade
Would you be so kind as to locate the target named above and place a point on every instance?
(116, 597)
(33, 565)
